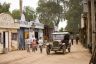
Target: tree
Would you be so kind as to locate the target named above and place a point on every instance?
(4, 8)
(49, 12)
(73, 15)
(28, 12)
(16, 14)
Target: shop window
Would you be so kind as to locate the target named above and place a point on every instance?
(14, 36)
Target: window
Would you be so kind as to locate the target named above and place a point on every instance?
(14, 36)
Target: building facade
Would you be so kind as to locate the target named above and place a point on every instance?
(26, 30)
(89, 22)
(8, 33)
(48, 32)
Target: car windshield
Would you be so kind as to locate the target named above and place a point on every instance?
(59, 35)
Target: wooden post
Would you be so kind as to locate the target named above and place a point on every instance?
(93, 22)
(88, 22)
(20, 3)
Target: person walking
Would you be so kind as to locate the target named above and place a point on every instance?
(71, 37)
(77, 39)
(28, 44)
(37, 44)
(40, 42)
(34, 45)
(66, 40)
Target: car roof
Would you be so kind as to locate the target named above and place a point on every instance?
(60, 33)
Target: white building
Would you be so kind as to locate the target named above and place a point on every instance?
(8, 33)
(38, 29)
(27, 31)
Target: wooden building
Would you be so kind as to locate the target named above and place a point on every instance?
(89, 22)
(47, 32)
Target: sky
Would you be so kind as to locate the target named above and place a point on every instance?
(14, 4)
(62, 24)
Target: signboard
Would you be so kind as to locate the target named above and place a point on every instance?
(26, 35)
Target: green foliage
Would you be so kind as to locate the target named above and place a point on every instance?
(73, 15)
(49, 12)
(4, 8)
(16, 14)
(28, 12)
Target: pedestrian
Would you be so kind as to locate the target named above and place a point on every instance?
(40, 42)
(37, 44)
(28, 44)
(34, 45)
(66, 40)
(77, 39)
(71, 37)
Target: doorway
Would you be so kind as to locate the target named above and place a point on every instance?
(5, 40)
(36, 35)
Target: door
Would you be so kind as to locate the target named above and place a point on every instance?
(5, 40)
(36, 35)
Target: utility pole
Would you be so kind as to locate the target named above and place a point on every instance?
(88, 24)
(20, 4)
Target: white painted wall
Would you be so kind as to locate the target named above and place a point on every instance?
(12, 44)
(40, 33)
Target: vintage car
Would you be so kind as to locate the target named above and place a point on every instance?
(56, 45)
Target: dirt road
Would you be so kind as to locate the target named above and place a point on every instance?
(78, 55)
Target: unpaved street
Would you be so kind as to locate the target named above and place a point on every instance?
(78, 55)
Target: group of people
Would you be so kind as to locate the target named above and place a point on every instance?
(32, 43)
(76, 39)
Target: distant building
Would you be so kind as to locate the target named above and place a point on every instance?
(48, 32)
(26, 30)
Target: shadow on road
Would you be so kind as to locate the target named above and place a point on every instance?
(59, 53)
